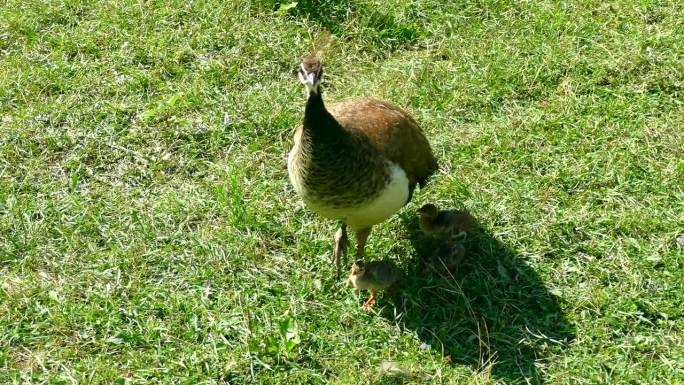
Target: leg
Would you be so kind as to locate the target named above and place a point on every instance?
(460, 236)
(340, 246)
(367, 305)
(361, 237)
(392, 291)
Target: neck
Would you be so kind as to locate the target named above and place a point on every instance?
(314, 103)
(317, 120)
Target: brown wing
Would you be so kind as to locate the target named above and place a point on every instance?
(393, 132)
(382, 272)
(456, 220)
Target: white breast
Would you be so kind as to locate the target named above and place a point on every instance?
(390, 200)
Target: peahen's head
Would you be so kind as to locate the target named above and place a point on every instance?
(310, 73)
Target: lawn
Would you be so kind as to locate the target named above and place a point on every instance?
(149, 234)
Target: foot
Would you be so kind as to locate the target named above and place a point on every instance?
(369, 303)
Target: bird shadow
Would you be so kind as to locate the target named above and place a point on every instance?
(492, 312)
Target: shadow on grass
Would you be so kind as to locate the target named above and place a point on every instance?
(380, 29)
(493, 312)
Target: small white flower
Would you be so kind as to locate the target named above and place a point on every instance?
(424, 346)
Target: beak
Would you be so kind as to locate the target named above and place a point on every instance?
(311, 77)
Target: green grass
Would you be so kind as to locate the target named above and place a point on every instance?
(148, 232)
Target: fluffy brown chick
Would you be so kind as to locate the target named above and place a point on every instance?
(373, 276)
(445, 223)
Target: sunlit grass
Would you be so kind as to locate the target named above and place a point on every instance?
(148, 233)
